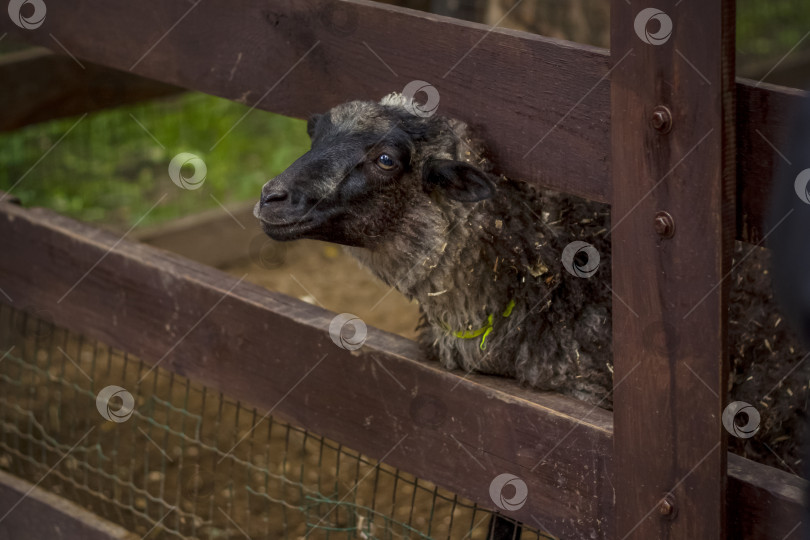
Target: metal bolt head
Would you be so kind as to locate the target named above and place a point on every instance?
(667, 508)
(664, 224)
(661, 119)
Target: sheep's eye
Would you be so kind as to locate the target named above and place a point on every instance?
(385, 162)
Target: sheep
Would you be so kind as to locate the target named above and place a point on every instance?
(413, 199)
(489, 260)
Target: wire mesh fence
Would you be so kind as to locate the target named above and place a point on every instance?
(168, 458)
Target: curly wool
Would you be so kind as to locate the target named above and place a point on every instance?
(464, 262)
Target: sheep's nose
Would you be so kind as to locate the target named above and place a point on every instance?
(273, 196)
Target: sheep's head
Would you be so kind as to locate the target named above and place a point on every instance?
(374, 170)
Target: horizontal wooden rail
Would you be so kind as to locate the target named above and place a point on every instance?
(29, 511)
(542, 105)
(257, 345)
(764, 503)
(40, 86)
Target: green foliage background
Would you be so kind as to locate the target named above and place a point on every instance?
(769, 29)
(108, 169)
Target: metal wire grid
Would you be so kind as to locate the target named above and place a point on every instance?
(190, 462)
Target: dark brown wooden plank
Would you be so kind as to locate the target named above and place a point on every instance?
(27, 511)
(244, 55)
(764, 502)
(763, 111)
(258, 346)
(669, 441)
(47, 86)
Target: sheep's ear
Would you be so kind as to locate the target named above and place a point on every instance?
(311, 123)
(457, 180)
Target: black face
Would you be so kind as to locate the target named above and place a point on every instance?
(360, 178)
(339, 190)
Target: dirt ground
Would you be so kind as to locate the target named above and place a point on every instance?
(769, 369)
(322, 274)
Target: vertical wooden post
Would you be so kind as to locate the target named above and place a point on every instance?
(672, 119)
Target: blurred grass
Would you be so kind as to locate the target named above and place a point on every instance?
(768, 29)
(109, 170)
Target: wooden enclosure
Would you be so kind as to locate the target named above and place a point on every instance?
(569, 117)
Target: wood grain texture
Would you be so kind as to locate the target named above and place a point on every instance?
(255, 345)
(44, 86)
(542, 105)
(764, 502)
(32, 512)
(668, 438)
(763, 112)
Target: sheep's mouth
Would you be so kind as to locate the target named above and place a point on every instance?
(290, 230)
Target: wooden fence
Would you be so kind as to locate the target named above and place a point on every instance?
(570, 117)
